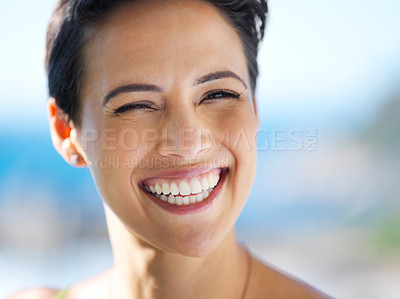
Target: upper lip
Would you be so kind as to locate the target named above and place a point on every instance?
(180, 173)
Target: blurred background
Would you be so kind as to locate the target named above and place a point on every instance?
(326, 202)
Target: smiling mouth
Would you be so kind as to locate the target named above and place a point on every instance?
(184, 191)
(184, 195)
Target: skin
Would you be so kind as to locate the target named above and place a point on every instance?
(159, 254)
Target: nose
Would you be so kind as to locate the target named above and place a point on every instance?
(184, 136)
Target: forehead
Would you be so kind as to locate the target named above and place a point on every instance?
(176, 39)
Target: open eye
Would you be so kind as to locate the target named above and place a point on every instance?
(134, 106)
(218, 95)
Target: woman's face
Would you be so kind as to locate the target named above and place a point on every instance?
(167, 111)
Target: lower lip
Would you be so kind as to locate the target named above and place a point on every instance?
(191, 208)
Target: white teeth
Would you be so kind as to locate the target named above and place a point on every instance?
(211, 180)
(158, 189)
(174, 189)
(184, 200)
(199, 197)
(204, 183)
(184, 188)
(193, 198)
(179, 200)
(165, 188)
(195, 186)
(185, 192)
(171, 199)
(216, 180)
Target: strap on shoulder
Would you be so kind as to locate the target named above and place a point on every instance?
(61, 294)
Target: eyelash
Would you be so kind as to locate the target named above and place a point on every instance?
(221, 94)
(213, 95)
(133, 106)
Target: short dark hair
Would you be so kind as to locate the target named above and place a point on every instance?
(67, 34)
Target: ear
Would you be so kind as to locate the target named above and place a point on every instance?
(60, 129)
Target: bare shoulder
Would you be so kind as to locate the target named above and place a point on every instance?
(267, 282)
(36, 293)
(91, 288)
(95, 287)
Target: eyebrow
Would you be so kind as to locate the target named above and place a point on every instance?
(217, 76)
(154, 88)
(131, 88)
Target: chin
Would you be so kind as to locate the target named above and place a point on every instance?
(197, 244)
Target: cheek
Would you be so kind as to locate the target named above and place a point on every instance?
(237, 130)
(114, 156)
(238, 134)
(117, 144)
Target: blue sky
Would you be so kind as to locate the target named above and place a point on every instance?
(339, 57)
(321, 59)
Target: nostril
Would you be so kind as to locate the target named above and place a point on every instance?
(184, 143)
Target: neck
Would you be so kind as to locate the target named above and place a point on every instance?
(143, 271)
